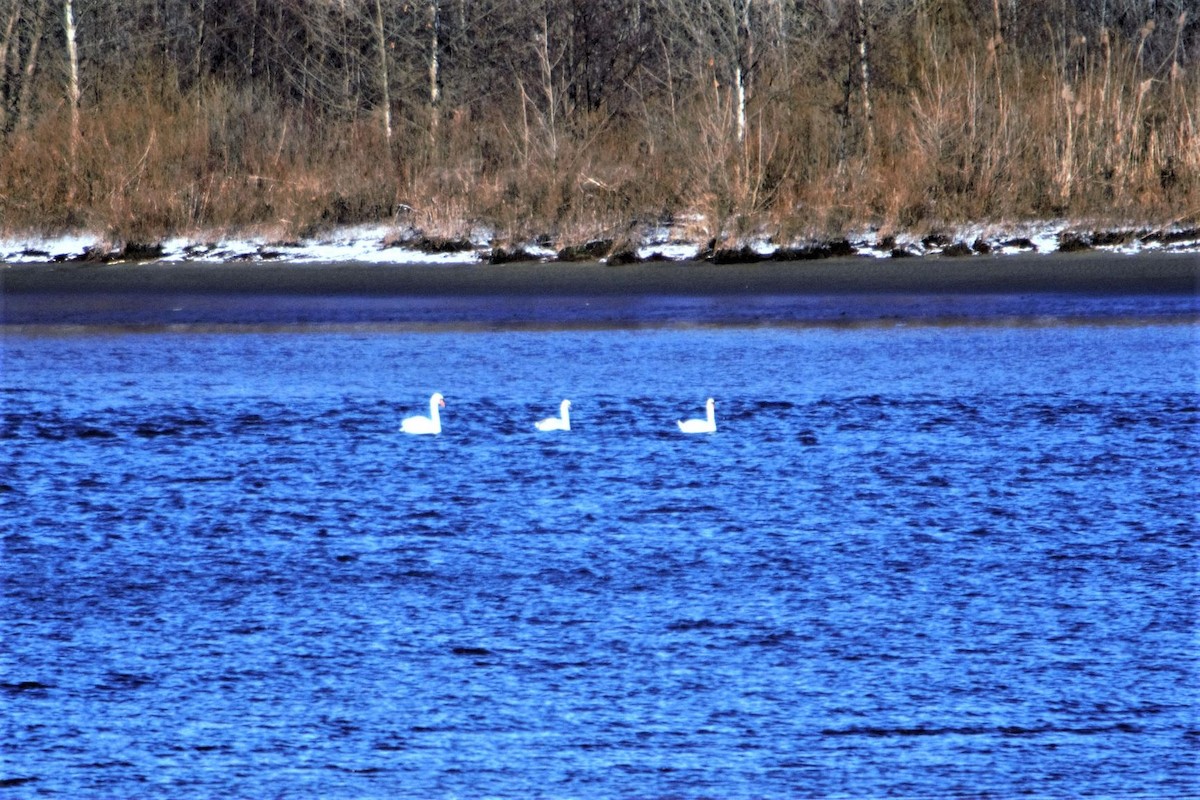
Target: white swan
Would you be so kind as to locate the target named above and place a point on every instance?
(708, 425)
(430, 424)
(560, 423)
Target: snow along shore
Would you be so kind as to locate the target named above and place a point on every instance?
(383, 244)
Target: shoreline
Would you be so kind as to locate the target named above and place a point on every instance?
(666, 242)
(1078, 286)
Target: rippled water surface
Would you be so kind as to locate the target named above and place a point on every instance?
(915, 562)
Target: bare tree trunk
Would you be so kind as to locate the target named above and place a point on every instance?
(548, 90)
(740, 92)
(997, 50)
(344, 46)
(9, 27)
(779, 42)
(198, 58)
(865, 81)
(252, 55)
(31, 60)
(744, 60)
(435, 23)
(384, 82)
(7, 87)
(73, 91)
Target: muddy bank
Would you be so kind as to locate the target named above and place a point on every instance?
(1083, 285)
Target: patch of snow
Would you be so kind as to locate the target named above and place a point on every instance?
(1131, 248)
(173, 248)
(1046, 239)
(1162, 242)
(1188, 246)
(868, 244)
(371, 244)
(539, 250)
(872, 251)
(974, 233)
(482, 237)
(365, 244)
(26, 250)
(667, 242)
(764, 247)
(659, 234)
(372, 252)
(671, 251)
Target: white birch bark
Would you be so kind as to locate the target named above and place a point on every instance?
(74, 93)
(744, 62)
(865, 81)
(435, 79)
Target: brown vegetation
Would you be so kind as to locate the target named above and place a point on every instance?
(578, 120)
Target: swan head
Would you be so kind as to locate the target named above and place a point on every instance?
(564, 405)
(437, 400)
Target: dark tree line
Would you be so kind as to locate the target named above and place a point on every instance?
(324, 55)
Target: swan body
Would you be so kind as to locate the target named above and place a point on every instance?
(559, 423)
(431, 424)
(707, 425)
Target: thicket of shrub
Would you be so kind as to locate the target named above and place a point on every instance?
(743, 117)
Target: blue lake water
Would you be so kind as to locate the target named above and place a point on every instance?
(911, 562)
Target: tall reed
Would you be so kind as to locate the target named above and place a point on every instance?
(976, 131)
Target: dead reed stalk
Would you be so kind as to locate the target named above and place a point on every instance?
(979, 130)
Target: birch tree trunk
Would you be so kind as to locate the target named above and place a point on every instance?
(865, 82)
(435, 78)
(73, 91)
(743, 64)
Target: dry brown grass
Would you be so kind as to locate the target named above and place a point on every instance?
(977, 135)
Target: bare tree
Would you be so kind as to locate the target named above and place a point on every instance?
(384, 80)
(9, 44)
(722, 33)
(74, 94)
(12, 15)
(435, 25)
(28, 72)
(864, 73)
